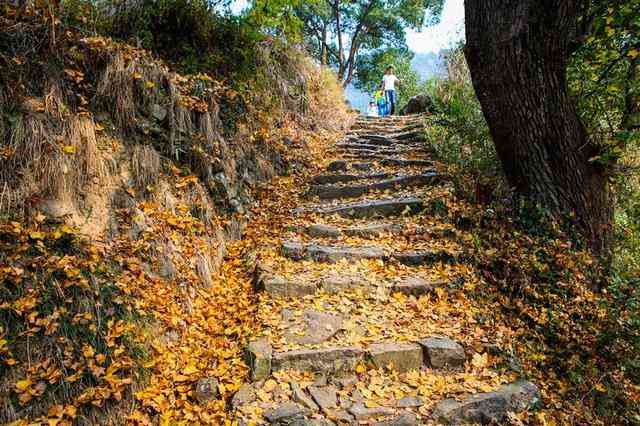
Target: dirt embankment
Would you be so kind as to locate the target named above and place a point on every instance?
(122, 183)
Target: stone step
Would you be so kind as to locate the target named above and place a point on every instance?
(400, 162)
(277, 286)
(329, 254)
(331, 192)
(376, 208)
(373, 230)
(332, 254)
(435, 352)
(340, 178)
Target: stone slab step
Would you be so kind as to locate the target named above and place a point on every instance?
(333, 254)
(329, 192)
(342, 360)
(377, 208)
(373, 230)
(318, 253)
(341, 178)
(405, 162)
(277, 286)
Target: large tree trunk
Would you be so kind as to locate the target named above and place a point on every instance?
(517, 52)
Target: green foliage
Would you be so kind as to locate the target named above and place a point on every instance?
(371, 68)
(459, 133)
(604, 80)
(277, 17)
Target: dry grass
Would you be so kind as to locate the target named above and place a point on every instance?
(145, 167)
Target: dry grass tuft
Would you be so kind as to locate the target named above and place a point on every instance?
(145, 166)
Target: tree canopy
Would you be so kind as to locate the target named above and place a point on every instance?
(339, 31)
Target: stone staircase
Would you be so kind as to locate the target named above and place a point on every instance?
(352, 300)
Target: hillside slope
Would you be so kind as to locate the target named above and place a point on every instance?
(123, 185)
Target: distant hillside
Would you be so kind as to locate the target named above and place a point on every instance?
(428, 65)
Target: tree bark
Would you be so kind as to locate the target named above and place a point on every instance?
(517, 51)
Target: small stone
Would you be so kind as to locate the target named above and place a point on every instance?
(325, 397)
(362, 166)
(301, 397)
(345, 382)
(158, 112)
(285, 413)
(442, 352)
(361, 412)
(410, 402)
(245, 395)
(405, 419)
(259, 355)
(337, 166)
(320, 230)
(340, 416)
(402, 356)
(206, 390)
(415, 286)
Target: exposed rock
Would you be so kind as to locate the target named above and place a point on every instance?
(326, 397)
(259, 358)
(405, 419)
(323, 231)
(158, 112)
(340, 416)
(206, 390)
(337, 166)
(301, 397)
(329, 254)
(423, 257)
(245, 395)
(345, 382)
(336, 360)
(415, 286)
(285, 414)
(311, 422)
(366, 209)
(489, 407)
(410, 402)
(361, 412)
(442, 352)
(315, 327)
(403, 356)
(365, 167)
(419, 104)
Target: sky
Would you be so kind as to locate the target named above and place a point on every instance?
(443, 35)
(430, 39)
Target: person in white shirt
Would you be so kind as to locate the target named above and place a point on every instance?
(389, 82)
